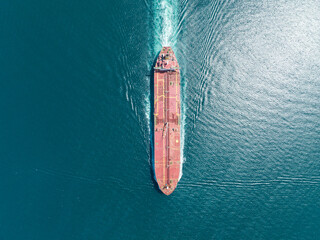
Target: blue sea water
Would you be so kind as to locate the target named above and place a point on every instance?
(75, 119)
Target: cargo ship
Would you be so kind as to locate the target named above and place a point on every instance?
(167, 162)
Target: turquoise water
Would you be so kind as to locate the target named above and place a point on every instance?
(75, 119)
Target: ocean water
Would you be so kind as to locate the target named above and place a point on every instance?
(75, 119)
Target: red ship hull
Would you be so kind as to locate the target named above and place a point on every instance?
(167, 163)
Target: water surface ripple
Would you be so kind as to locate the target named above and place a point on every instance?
(75, 124)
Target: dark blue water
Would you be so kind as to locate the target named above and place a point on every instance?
(75, 119)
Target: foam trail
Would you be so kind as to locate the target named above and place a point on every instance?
(148, 108)
(165, 23)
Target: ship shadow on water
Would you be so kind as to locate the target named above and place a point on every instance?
(152, 172)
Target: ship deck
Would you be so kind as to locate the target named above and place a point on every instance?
(167, 122)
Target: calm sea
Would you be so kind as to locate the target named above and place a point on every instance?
(75, 158)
